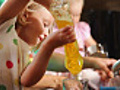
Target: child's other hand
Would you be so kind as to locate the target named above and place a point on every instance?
(62, 37)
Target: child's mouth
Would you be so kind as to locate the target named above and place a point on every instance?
(41, 38)
(39, 41)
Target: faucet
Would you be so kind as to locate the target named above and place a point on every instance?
(116, 68)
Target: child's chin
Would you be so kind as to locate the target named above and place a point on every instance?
(33, 43)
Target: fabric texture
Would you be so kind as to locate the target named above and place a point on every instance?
(14, 56)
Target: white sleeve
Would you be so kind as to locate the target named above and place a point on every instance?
(6, 26)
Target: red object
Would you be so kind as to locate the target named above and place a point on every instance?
(31, 56)
(9, 64)
(18, 60)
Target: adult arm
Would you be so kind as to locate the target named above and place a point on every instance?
(12, 7)
(100, 63)
(34, 72)
(90, 41)
(46, 3)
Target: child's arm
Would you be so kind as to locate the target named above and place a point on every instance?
(56, 62)
(36, 69)
(46, 3)
(34, 72)
(12, 7)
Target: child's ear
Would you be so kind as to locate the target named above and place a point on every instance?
(25, 15)
(22, 18)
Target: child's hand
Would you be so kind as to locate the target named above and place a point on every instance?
(61, 37)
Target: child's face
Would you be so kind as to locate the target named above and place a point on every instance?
(40, 22)
(76, 10)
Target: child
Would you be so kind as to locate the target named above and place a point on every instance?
(16, 52)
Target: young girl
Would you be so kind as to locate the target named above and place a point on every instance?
(17, 37)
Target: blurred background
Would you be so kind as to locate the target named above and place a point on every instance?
(103, 17)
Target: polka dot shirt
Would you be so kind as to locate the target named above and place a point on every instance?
(14, 57)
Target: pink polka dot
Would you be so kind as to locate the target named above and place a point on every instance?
(9, 64)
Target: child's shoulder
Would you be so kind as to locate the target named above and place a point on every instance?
(7, 25)
(84, 29)
(82, 24)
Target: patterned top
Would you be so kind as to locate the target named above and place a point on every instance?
(14, 56)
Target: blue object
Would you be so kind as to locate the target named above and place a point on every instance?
(64, 88)
(116, 66)
(108, 88)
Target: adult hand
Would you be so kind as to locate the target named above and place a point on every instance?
(105, 64)
(46, 3)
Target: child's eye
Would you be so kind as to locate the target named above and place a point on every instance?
(46, 25)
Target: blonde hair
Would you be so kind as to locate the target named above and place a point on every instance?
(22, 16)
(76, 1)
